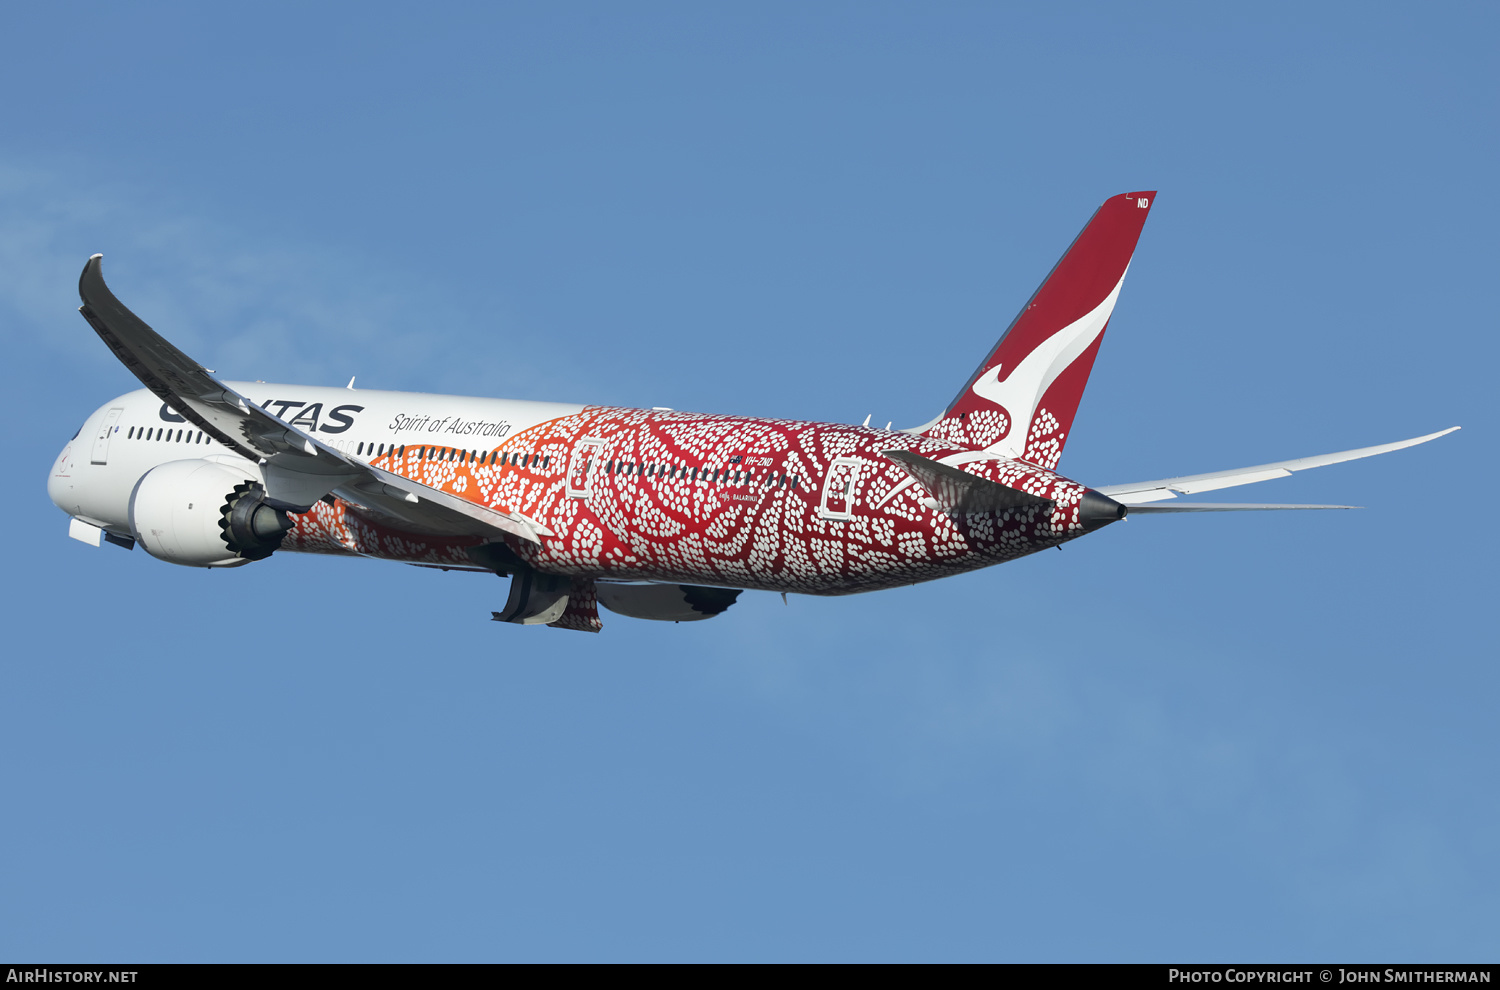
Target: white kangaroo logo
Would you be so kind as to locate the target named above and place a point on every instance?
(1029, 380)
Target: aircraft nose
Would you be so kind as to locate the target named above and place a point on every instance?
(60, 481)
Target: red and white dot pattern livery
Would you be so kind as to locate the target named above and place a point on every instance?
(648, 513)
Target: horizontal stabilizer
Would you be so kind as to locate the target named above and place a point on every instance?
(1136, 510)
(1193, 484)
(958, 491)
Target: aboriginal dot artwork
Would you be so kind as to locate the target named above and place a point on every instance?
(568, 496)
(981, 427)
(1044, 441)
(727, 501)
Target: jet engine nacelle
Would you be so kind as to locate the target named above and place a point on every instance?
(666, 602)
(202, 514)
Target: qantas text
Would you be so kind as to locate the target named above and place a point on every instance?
(310, 417)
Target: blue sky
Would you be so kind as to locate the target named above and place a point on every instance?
(1184, 738)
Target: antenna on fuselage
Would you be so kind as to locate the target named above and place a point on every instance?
(350, 386)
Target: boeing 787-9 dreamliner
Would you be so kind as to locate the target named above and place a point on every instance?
(652, 513)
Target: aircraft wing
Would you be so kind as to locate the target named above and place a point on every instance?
(1141, 492)
(1136, 510)
(298, 468)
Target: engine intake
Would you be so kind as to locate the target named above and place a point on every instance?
(251, 528)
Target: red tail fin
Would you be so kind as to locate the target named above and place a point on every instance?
(1022, 399)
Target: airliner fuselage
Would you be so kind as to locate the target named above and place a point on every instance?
(652, 513)
(633, 494)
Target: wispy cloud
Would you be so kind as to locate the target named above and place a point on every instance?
(247, 306)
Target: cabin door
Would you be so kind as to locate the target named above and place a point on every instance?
(838, 489)
(101, 441)
(581, 468)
